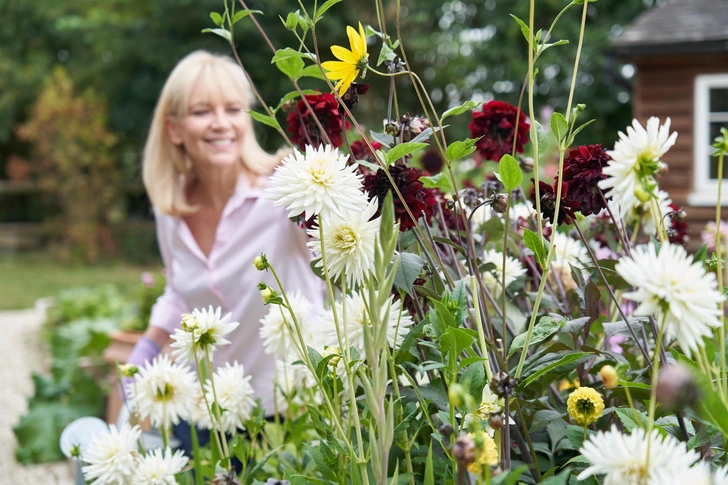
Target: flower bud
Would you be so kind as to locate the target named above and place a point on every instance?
(332, 350)
(128, 370)
(527, 164)
(267, 294)
(641, 194)
(456, 395)
(261, 262)
(662, 168)
(609, 376)
(499, 203)
(676, 387)
(75, 451)
(495, 421)
(189, 323)
(464, 450)
(503, 385)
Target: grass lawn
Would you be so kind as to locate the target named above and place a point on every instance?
(26, 277)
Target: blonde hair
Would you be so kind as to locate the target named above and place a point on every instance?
(167, 168)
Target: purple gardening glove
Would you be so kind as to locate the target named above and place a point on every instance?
(144, 351)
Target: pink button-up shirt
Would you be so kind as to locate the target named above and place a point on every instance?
(249, 225)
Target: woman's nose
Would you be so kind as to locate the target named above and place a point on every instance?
(220, 119)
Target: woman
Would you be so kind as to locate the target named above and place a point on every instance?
(205, 174)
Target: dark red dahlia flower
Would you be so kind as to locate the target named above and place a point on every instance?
(360, 151)
(432, 161)
(496, 123)
(414, 194)
(582, 173)
(548, 203)
(303, 128)
(678, 230)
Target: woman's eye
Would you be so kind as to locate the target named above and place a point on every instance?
(199, 112)
(234, 110)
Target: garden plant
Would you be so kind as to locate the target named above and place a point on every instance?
(509, 327)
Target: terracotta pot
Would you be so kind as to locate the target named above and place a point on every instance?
(118, 350)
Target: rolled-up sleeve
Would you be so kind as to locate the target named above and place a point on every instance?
(169, 307)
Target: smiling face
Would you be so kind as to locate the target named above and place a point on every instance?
(212, 122)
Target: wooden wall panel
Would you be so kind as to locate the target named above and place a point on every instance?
(664, 86)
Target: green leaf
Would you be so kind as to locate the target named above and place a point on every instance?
(543, 47)
(455, 340)
(543, 139)
(401, 150)
(460, 149)
(244, 13)
(291, 21)
(627, 416)
(429, 468)
(290, 65)
(265, 119)
(224, 33)
(575, 435)
(576, 131)
(536, 245)
(384, 138)
(216, 18)
(545, 328)
(312, 71)
(510, 173)
(386, 54)
(439, 181)
(525, 30)
(323, 8)
(540, 369)
(474, 377)
(458, 110)
(407, 271)
(559, 127)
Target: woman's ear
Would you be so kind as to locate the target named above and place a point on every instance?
(173, 131)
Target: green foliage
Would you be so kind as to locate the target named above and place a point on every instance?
(72, 154)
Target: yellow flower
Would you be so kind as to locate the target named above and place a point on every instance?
(351, 62)
(585, 406)
(487, 452)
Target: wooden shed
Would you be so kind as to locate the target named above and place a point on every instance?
(680, 51)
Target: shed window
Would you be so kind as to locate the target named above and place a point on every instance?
(711, 114)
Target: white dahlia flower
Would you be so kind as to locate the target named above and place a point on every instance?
(720, 476)
(569, 251)
(199, 414)
(234, 395)
(625, 460)
(349, 241)
(279, 333)
(163, 391)
(398, 323)
(204, 329)
(159, 467)
(644, 213)
(112, 456)
(671, 285)
(318, 183)
(494, 278)
(635, 155)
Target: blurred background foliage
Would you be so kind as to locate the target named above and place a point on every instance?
(117, 54)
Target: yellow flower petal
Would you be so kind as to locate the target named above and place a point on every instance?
(354, 42)
(346, 82)
(344, 55)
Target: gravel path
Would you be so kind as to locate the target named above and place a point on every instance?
(21, 354)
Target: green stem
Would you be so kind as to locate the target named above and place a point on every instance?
(719, 257)
(562, 150)
(653, 387)
(201, 379)
(506, 226)
(208, 361)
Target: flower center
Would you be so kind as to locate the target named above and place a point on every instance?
(346, 240)
(362, 63)
(319, 175)
(585, 406)
(165, 393)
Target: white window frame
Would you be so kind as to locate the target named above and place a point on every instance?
(705, 189)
